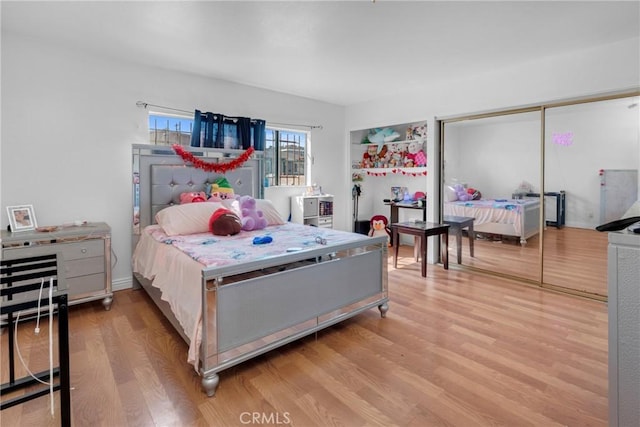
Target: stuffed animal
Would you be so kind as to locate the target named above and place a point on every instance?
(419, 132)
(252, 218)
(475, 194)
(416, 155)
(193, 197)
(461, 193)
(221, 189)
(224, 222)
(379, 226)
(379, 136)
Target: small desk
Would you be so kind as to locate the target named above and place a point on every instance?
(423, 230)
(405, 205)
(457, 223)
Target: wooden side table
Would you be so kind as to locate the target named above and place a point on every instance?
(422, 230)
(457, 223)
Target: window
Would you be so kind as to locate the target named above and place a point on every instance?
(170, 129)
(285, 157)
(285, 153)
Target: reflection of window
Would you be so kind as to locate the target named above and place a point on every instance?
(285, 157)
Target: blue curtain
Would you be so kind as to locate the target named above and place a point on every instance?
(219, 131)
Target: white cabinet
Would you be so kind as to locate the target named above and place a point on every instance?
(624, 329)
(313, 210)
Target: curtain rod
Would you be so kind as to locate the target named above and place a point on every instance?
(144, 105)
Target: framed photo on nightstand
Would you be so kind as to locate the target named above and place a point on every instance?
(21, 218)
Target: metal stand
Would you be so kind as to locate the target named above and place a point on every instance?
(20, 279)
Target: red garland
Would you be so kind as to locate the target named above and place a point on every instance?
(212, 167)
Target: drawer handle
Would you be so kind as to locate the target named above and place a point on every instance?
(83, 250)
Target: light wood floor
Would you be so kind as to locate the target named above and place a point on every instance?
(574, 258)
(456, 349)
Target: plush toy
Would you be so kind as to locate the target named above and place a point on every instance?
(419, 132)
(221, 189)
(475, 194)
(252, 218)
(461, 193)
(379, 136)
(224, 222)
(193, 197)
(416, 155)
(379, 226)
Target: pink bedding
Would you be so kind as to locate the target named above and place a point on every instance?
(177, 273)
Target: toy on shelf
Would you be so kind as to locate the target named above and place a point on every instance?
(415, 156)
(379, 136)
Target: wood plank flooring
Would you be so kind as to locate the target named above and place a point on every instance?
(574, 258)
(456, 349)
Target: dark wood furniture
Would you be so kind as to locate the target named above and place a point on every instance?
(421, 229)
(395, 206)
(458, 223)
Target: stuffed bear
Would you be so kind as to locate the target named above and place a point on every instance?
(379, 226)
(252, 218)
(193, 197)
(224, 222)
(416, 155)
(461, 193)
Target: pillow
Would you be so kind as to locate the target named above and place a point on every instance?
(188, 218)
(450, 194)
(269, 212)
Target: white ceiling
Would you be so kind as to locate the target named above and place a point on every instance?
(339, 52)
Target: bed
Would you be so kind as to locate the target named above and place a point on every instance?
(241, 300)
(518, 218)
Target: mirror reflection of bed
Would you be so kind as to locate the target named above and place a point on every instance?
(497, 154)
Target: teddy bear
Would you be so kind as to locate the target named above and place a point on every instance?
(379, 226)
(416, 155)
(193, 197)
(252, 218)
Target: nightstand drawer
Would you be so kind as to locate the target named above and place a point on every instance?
(83, 267)
(82, 249)
(86, 284)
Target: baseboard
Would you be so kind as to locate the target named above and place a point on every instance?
(121, 284)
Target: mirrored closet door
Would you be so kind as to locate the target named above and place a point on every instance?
(592, 157)
(537, 181)
(489, 165)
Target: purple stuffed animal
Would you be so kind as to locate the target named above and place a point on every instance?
(252, 218)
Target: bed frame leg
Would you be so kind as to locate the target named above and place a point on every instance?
(383, 309)
(210, 384)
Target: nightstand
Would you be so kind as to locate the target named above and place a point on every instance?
(86, 252)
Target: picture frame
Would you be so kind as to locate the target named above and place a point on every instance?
(21, 218)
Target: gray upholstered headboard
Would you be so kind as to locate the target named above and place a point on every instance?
(162, 176)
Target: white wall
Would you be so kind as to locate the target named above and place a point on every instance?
(69, 119)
